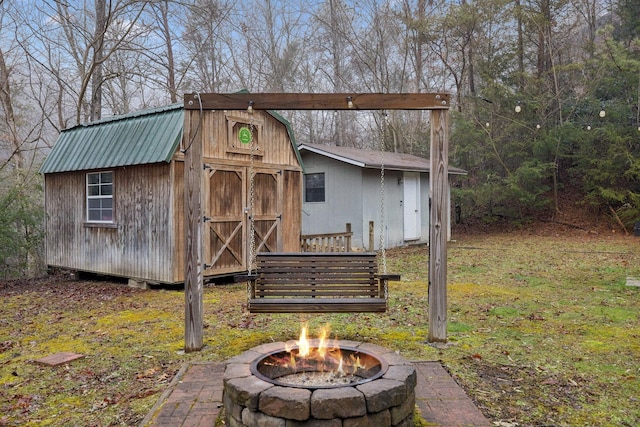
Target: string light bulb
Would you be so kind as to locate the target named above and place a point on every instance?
(349, 102)
(518, 108)
(602, 113)
(250, 107)
(588, 127)
(538, 126)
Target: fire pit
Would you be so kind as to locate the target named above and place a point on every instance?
(310, 383)
(288, 368)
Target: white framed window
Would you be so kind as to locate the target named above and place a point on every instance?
(100, 197)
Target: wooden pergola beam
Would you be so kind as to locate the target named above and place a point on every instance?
(317, 101)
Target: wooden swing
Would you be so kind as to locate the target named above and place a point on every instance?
(345, 282)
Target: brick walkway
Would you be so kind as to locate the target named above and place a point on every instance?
(194, 398)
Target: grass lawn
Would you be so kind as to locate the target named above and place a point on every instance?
(542, 331)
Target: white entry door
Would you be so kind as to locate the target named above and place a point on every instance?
(411, 205)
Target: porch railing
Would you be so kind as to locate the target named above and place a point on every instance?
(327, 242)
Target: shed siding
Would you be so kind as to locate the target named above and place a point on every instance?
(275, 146)
(292, 211)
(146, 240)
(177, 202)
(140, 241)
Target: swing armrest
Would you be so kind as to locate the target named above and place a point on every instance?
(388, 277)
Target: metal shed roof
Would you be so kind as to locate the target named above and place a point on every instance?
(373, 159)
(149, 136)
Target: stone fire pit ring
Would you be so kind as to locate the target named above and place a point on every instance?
(385, 401)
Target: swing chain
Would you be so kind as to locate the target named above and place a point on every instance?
(383, 252)
(252, 234)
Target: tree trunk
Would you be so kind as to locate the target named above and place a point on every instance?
(98, 58)
(7, 105)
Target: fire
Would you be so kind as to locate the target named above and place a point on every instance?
(322, 354)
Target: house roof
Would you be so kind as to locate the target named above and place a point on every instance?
(143, 137)
(374, 159)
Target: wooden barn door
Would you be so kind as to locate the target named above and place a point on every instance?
(224, 224)
(227, 228)
(267, 208)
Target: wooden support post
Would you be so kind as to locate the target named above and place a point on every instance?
(438, 228)
(372, 238)
(193, 163)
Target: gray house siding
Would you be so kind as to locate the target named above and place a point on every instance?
(343, 198)
(352, 195)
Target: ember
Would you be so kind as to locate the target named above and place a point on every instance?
(311, 379)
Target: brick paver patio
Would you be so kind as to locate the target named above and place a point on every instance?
(194, 398)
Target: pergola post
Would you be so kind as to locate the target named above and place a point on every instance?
(438, 185)
(193, 163)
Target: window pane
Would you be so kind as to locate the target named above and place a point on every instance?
(106, 177)
(93, 178)
(107, 203)
(93, 190)
(314, 187)
(94, 215)
(107, 215)
(94, 204)
(106, 189)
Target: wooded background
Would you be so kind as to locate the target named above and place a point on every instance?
(570, 67)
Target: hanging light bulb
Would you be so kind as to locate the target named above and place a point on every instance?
(538, 126)
(349, 102)
(518, 108)
(487, 124)
(602, 113)
(250, 107)
(588, 127)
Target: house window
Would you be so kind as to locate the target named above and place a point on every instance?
(314, 187)
(100, 197)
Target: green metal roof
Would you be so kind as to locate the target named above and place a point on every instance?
(149, 136)
(143, 137)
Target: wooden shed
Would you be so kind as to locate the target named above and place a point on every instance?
(342, 185)
(114, 193)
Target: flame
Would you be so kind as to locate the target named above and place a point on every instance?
(322, 346)
(322, 354)
(303, 343)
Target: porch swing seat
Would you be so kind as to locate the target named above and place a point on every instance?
(345, 282)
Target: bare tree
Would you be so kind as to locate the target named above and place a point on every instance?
(73, 44)
(206, 60)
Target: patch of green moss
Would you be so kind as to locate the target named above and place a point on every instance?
(458, 327)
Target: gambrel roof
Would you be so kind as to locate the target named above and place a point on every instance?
(372, 159)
